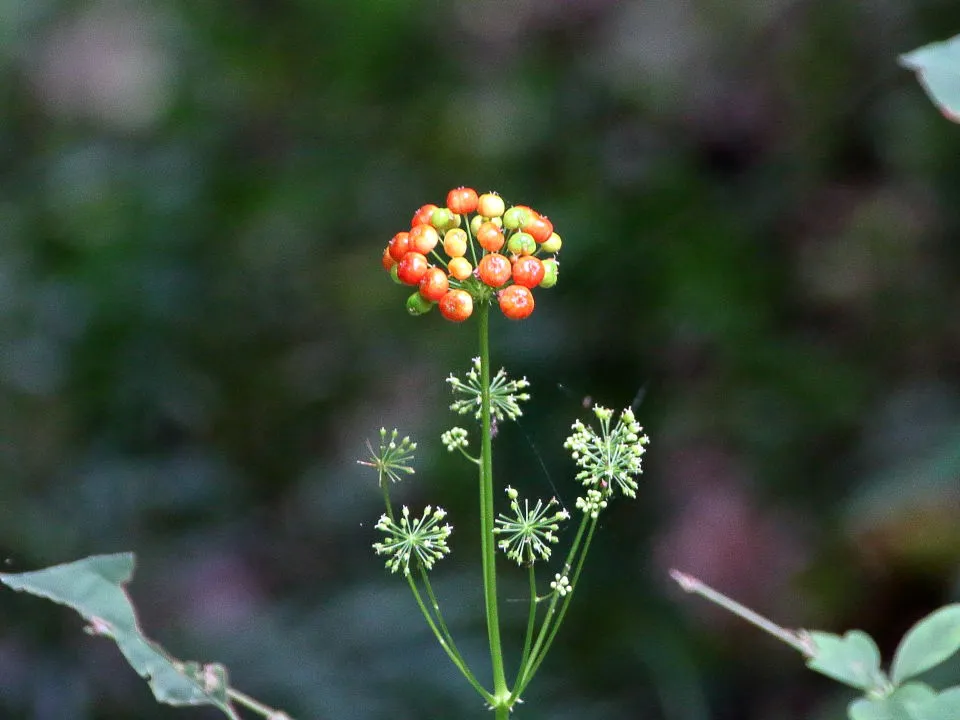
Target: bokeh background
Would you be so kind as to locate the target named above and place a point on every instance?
(760, 218)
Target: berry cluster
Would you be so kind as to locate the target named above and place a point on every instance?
(489, 252)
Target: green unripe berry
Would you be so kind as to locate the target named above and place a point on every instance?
(515, 218)
(417, 304)
(521, 244)
(393, 273)
(552, 244)
(551, 272)
(443, 219)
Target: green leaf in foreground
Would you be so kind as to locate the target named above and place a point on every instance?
(945, 706)
(938, 69)
(94, 588)
(852, 659)
(928, 643)
(906, 703)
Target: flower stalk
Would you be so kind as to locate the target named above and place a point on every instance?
(506, 249)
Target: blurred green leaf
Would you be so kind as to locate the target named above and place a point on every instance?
(928, 643)
(903, 704)
(852, 659)
(93, 587)
(874, 709)
(938, 69)
(943, 706)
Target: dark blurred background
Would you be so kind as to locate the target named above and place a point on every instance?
(760, 218)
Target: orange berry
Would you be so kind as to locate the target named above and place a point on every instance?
(423, 238)
(528, 271)
(539, 227)
(494, 269)
(516, 302)
(388, 261)
(460, 268)
(456, 305)
(490, 237)
(455, 243)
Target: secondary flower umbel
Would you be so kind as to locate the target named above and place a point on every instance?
(610, 459)
(489, 252)
(392, 458)
(529, 533)
(423, 539)
(505, 394)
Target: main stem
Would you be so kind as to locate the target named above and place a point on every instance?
(500, 692)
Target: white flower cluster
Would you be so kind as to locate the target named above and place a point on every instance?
(561, 584)
(609, 460)
(505, 394)
(529, 533)
(454, 439)
(392, 458)
(423, 539)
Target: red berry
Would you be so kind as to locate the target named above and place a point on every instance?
(528, 271)
(412, 268)
(423, 238)
(399, 245)
(516, 302)
(423, 215)
(462, 200)
(494, 269)
(539, 227)
(490, 237)
(387, 260)
(456, 305)
(434, 284)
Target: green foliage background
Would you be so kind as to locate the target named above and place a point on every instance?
(759, 212)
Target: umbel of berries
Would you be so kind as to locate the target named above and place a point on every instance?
(475, 250)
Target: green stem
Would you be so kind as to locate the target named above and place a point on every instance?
(552, 620)
(531, 617)
(791, 638)
(448, 647)
(448, 636)
(501, 694)
(252, 704)
(539, 657)
(386, 498)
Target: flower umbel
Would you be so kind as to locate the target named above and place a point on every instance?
(423, 538)
(505, 395)
(529, 533)
(610, 459)
(392, 458)
(593, 503)
(454, 439)
(561, 584)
